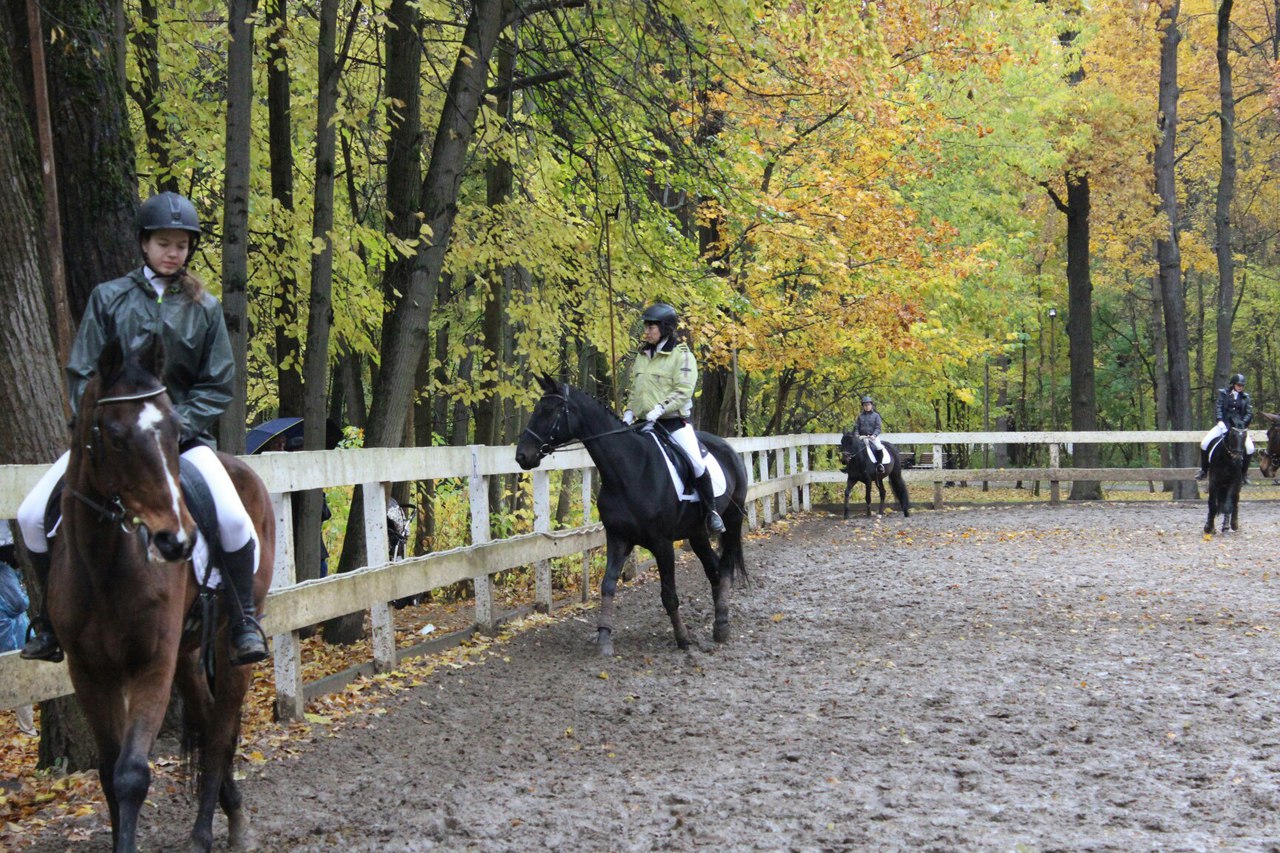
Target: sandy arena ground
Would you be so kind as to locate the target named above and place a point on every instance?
(1094, 677)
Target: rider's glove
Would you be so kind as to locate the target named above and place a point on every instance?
(655, 413)
(628, 417)
(1222, 424)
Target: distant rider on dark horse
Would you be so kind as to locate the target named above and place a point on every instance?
(663, 377)
(1232, 409)
(162, 297)
(869, 426)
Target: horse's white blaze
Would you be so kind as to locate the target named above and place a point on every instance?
(150, 418)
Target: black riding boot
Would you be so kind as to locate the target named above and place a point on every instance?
(1248, 459)
(1204, 465)
(42, 643)
(707, 493)
(248, 645)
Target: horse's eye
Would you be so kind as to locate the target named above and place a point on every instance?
(117, 436)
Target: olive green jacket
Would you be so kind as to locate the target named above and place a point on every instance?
(667, 379)
(198, 366)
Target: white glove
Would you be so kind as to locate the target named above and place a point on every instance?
(655, 413)
(628, 417)
(1222, 424)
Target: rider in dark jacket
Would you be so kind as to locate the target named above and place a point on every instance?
(870, 425)
(162, 298)
(1233, 408)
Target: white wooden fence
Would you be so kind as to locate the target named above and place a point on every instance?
(779, 470)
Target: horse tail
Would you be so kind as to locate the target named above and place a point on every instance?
(900, 490)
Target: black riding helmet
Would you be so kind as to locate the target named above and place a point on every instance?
(866, 398)
(1237, 379)
(662, 314)
(168, 210)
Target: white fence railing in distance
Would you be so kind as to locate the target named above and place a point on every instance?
(292, 606)
(780, 472)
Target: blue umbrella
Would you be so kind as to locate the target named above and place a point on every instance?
(263, 433)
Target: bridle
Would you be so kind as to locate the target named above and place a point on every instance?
(113, 511)
(549, 443)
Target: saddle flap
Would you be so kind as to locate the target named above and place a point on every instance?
(199, 500)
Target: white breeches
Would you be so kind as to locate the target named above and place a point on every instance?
(1221, 429)
(234, 525)
(688, 442)
(873, 441)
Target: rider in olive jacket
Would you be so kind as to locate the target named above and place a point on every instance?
(128, 308)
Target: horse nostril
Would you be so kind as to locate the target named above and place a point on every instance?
(171, 547)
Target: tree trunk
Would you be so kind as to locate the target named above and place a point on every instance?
(280, 133)
(97, 181)
(315, 368)
(1168, 254)
(1084, 404)
(1226, 192)
(145, 92)
(235, 217)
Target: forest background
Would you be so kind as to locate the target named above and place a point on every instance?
(1009, 214)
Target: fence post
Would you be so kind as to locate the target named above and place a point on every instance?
(586, 519)
(286, 651)
(753, 518)
(806, 498)
(375, 554)
(784, 496)
(542, 524)
(1054, 493)
(766, 502)
(479, 494)
(937, 483)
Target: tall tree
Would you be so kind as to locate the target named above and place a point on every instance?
(1168, 253)
(235, 214)
(1225, 195)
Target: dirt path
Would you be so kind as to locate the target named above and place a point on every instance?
(1082, 678)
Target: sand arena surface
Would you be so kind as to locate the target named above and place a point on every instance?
(1093, 677)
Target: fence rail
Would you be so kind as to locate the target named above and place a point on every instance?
(780, 472)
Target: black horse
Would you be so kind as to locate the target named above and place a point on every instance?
(860, 468)
(1226, 472)
(638, 503)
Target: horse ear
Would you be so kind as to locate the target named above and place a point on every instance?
(111, 359)
(548, 384)
(1271, 419)
(152, 355)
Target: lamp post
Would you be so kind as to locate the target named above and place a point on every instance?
(1053, 367)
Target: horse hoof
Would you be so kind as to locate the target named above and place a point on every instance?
(604, 639)
(720, 633)
(239, 835)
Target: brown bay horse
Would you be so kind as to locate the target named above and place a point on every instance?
(121, 584)
(1269, 459)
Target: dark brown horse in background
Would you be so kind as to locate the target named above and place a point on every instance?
(120, 586)
(1269, 459)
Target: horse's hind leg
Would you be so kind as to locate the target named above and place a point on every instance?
(664, 554)
(847, 489)
(720, 583)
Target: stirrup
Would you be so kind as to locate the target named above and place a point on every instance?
(248, 642)
(1201, 474)
(42, 643)
(714, 522)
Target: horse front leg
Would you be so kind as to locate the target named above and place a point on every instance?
(617, 550)
(1213, 511)
(131, 779)
(664, 553)
(848, 487)
(868, 497)
(880, 486)
(720, 583)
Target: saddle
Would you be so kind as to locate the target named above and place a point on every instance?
(678, 458)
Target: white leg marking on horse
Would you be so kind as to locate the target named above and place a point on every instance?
(149, 419)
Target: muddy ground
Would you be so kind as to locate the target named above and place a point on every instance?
(1095, 677)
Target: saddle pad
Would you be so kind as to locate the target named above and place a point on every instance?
(713, 465)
